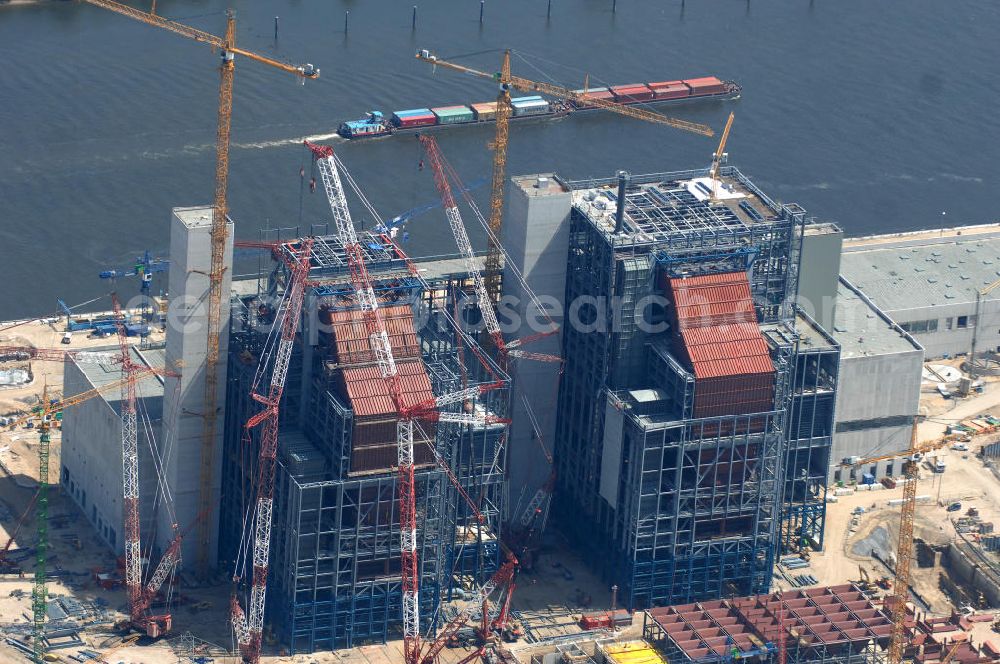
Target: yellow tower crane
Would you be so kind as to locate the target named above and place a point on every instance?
(904, 551)
(228, 49)
(508, 81)
(980, 294)
(719, 156)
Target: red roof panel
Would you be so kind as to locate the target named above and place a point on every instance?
(369, 394)
(717, 330)
(351, 339)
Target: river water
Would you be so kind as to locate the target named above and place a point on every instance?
(879, 115)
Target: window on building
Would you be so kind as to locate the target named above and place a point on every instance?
(918, 326)
(837, 476)
(948, 322)
(889, 469)
(873, 471)
(963, 322)
(932, 325)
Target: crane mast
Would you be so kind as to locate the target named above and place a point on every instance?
(130, 470)
(249, 627)
(228, 49)
(429, 410)
(499, 145)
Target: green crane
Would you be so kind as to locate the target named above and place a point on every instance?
(38, 592)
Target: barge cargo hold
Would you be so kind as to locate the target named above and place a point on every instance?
(534, 107)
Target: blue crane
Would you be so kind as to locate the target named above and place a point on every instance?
(145, 267)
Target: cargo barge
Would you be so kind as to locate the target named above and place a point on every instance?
(375, 123)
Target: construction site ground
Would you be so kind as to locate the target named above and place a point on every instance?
(549, 599)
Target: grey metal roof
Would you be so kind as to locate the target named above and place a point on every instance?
(898, 277)
(864, 331)
(150, 389)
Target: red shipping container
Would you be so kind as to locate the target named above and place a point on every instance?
(418, 120)
(607, 95)
(632, 93)
(708, 85)
(670, 90)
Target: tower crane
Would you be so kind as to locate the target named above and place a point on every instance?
(407, 414)
(145, 267)
(980, 294)
(249, 627)
(503, 113)
(228, 50)
(719, 157)
(904, 552)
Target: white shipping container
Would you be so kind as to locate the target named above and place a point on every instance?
(864, 487)
(877, 487)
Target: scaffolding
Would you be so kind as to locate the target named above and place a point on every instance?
(677, 506)
(335, 556)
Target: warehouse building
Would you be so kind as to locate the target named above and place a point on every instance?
(880, 373)
(91, 468)
(928, 285)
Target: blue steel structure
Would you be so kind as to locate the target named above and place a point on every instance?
(638, 472)
(335, 562)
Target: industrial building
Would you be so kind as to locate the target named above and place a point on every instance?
(683, 387)
(928, 285)
(882, 365)
(172, 407)
(335, 553)
(91, 436)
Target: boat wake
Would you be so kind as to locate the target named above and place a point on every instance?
(264, 145)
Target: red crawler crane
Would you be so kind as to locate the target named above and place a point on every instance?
(139, 597)
(249, 629)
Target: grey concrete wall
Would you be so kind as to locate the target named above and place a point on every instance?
(819, 272)
(972, 573)
(187, 345)
(91, 463)
(872, 388)
(879, 386)
(536, 237)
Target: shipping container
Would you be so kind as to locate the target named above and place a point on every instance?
(486, 110)
(670, 89)
(597, 93)
(521, 100)
(632, 93)
(708, 85)
(412, 111)
(417, 121)
(415, 118)
(453, 114)
(532, 107)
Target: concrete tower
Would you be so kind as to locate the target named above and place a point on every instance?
(536, 236)
(183, 413)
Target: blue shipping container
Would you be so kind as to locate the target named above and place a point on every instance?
(412, 111)
(516, 100)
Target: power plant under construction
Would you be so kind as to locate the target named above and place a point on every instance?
(669, 389)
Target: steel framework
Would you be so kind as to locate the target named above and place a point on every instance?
(666, 514)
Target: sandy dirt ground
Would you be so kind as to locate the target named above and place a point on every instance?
(849, 536)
